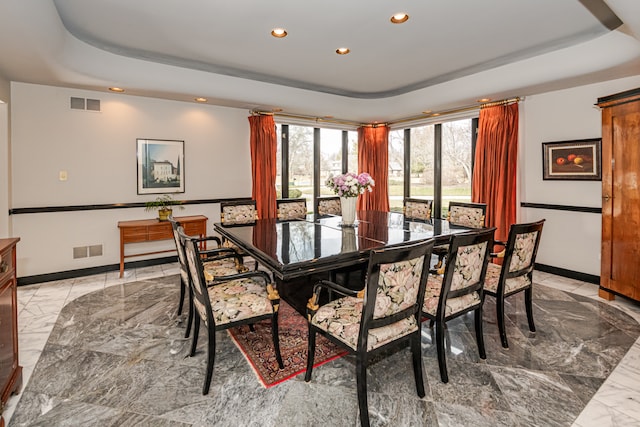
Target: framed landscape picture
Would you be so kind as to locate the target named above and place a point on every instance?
(160, 166)
(572, 160)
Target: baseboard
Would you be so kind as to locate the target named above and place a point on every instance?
(584, 277)
(71, 274)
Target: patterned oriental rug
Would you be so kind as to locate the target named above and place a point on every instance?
(257, 347)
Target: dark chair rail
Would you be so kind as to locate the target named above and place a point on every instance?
(49, 209)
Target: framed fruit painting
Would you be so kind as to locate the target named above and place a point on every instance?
(572, 160)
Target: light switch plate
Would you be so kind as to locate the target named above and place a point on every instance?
(62, 175)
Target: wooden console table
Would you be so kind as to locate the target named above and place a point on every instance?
(149, 230)
(10, 370)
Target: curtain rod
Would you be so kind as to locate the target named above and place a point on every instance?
(390, 123)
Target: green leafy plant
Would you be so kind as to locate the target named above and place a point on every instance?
(164, 204)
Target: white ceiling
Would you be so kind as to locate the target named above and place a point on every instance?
(449, 54)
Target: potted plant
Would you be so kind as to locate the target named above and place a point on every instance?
(164, 204)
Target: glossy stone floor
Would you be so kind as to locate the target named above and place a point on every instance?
(107, 351)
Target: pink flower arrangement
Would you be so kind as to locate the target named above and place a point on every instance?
(350, 184)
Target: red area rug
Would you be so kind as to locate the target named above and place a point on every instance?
(257, 347)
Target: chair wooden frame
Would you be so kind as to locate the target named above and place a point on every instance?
(459, 242)
(208, 255)
(441, 250)
(408, 201)
(200, 290)
(320, 213)
(282, 202)
(507, 274)
(226, 223)
(368, 322)
(470, 205)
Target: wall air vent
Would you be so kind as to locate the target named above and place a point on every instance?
(82, 104)
(77, 103)
(93, 104)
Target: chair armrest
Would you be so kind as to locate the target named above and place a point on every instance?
(502, 252)
(312, 304)
(205, 239)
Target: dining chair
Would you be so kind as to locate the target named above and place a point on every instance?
(238, 212)
(327, 206)
(519, 256)
(291, 209)
(227, 301)
(386, 313)
(223, 261)
(459, 290)
(464, 214)
(417, 208)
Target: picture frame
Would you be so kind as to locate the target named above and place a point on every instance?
(160, 166)
(572, 160)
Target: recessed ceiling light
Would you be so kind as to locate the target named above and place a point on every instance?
(116, 89)
(343, 50)
(279, 32)
(200, 99)
(399, 18)
(435, 114)
(277, 110)
(484, 100)
(427, 112)
(328, 117)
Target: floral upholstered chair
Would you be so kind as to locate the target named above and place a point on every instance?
(238, 212)
(386, 313)
(291, 209)
(417, 209)
(470, 215)
(519, 255)
(329, 205)
(459, 290)
(221, 261)
(226, 301)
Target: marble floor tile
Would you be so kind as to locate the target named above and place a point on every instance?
(105, 350)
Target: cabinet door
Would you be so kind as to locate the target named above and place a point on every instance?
(7, 356)
(620, 270)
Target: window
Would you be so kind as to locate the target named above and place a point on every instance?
(301, 164)
(456, 162)
(337, 151)
(396, 170)
(330, 157)
(422, 159)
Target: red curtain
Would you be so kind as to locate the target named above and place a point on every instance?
(264, 145)
(494, 173)
(373, 158)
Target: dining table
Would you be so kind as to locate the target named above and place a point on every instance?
(299, 252)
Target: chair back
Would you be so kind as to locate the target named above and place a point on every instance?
(522, 248)
(182, 259)
(291, 209)
(417, 208)
(466, 269)
(395, 286)
(329, 205)
(241, 212)
(470, 215)
(198, 283)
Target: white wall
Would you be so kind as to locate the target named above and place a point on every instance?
(4, 157)
(98, 151)
(570, 240)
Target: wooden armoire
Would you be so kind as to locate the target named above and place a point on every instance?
(620, 256)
